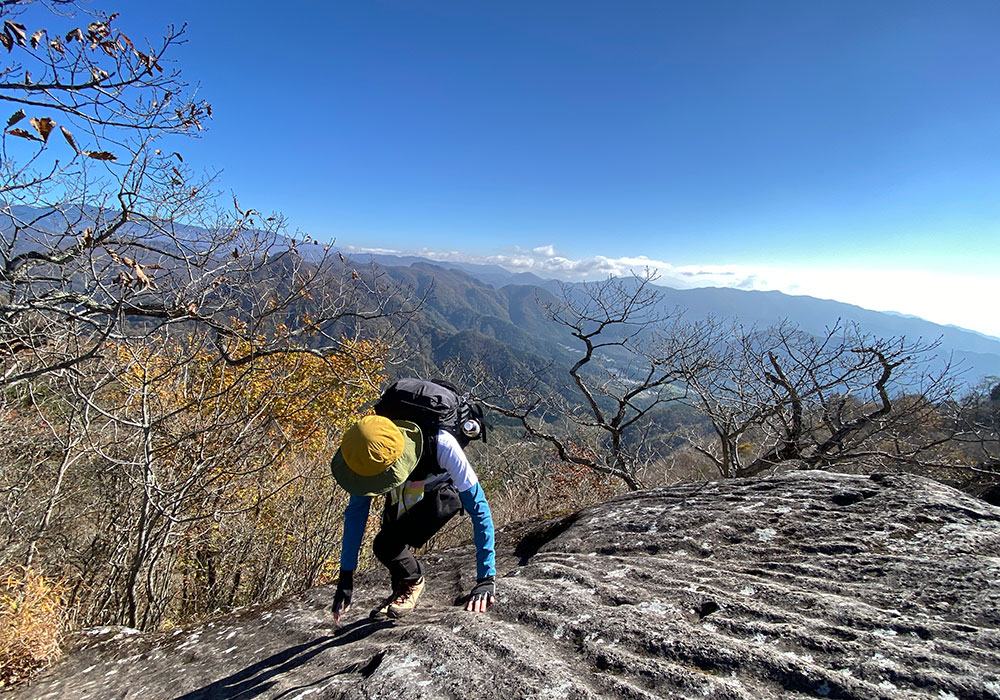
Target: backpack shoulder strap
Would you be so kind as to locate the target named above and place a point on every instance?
(428, 463)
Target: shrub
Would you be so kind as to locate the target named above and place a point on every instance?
(32, 622)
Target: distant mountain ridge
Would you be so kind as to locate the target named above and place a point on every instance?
(946, 325)
(489, 311)
(469, 286)
(494, 275)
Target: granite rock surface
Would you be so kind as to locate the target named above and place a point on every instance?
(802, 585)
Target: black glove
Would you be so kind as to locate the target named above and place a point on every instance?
(342, 598)
(482, 595)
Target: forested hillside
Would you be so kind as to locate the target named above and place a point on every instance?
(978, 356)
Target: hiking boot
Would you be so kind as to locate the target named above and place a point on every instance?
(406, 600)
(382, 611)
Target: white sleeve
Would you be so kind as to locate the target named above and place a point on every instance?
(451, 458)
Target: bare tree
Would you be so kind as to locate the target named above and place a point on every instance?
(974, 424)
(757, 399)
(105, 233)
(138, 312)
(171, 483)
(782, 394)
(633, 355)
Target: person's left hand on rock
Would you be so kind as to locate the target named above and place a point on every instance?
(342, 598)
(482, 596)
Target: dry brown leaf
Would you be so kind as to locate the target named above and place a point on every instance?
(36, 38)
(43, 126)
(6, 41)
(69, 138)
(16, 31)
(75, 34)
(23, 134)
(99, 155)
(146, 280)
(16, 117)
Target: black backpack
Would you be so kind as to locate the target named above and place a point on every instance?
(433, 405)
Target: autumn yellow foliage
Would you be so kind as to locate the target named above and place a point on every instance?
(245, 447)
(301, 398)
(32, 622)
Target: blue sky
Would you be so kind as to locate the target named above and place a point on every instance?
(849, 150)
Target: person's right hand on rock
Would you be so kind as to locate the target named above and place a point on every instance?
(482, 596)
(342, 598)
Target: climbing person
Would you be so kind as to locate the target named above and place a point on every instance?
(427, 480)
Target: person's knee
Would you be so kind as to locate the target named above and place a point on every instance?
(384, 548)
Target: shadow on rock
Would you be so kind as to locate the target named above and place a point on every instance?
(257, 679)
(531, 543)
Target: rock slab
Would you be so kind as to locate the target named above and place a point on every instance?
(801, 585)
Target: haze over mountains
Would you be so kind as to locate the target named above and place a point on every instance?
(487, 300)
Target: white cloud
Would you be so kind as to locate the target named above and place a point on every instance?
(546, 250)
(353, 250)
